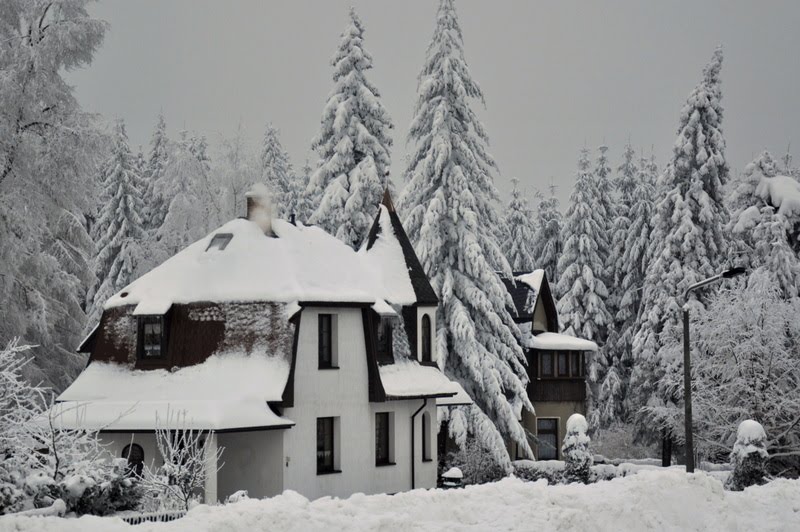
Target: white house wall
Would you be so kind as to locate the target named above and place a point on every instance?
(252, 461)
(343, 393)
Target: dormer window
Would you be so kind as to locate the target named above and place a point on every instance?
(151, 344)
(384, 340)
(425, 333)
(219, 242)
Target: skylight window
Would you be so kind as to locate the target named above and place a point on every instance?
(219, 242)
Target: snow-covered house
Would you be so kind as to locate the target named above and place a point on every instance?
(313, 365)
(556, 364)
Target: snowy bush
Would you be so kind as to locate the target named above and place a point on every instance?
(577, 457)
(178, 483)
(44, 463)
(477, 464)
(749, 456)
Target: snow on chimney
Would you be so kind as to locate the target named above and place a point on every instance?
(259, 207)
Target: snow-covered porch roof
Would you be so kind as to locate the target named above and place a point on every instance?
(408, 379)
(557, 342)
(226, 392)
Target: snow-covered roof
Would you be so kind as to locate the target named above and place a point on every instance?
(390, 253)
(227, 391)
(782, 192)
(299, 264)
(461, 398)
(558, 342)
(407, 378)
(532, 279)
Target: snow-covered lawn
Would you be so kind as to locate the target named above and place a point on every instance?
(650, 500)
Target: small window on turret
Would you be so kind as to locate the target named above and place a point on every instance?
(219, 242)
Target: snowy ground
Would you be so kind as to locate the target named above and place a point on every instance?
(650, 500)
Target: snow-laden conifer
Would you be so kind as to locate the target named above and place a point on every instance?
(748, 457)
(187, 213)
(547, 244)
(298, 199)
(520, 234)
(582, 306)
(578, 458)
(612, 402)
(276, 171)
(155, 204)
(449, 205)
(353, 144)
(119, 226)
(761, 235)
(687, 245)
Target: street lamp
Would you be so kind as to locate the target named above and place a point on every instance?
(687, 368)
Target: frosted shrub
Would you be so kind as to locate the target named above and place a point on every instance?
(179, 482)
(577, 457)
(749, 456)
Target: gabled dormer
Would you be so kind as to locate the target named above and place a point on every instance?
(540, 306)
(405, 280)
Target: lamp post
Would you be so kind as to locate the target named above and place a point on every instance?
(687, 362)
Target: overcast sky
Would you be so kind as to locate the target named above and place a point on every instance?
(556, 75)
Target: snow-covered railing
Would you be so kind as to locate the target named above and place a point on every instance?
(153, 517)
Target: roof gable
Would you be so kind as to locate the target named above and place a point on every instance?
(388, 238)
(528, 291)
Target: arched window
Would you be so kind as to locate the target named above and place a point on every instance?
(426, 437)
(426, 338)
(135, 456)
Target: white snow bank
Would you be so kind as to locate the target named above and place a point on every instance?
(558, 342)
(406, 378)
(300, 264)
(651, 500)
(782, 192)
(226, 391)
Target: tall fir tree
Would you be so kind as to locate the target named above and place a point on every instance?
(353, 145)
(519, 237)
(276, 170)
(612, 398)
(582, 306)
(297, 200)
(687, 245)
(156, 205)
(450, 212)
(547, 243)
(119, 226)
(605, 212)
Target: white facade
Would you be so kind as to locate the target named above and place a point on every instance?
(343, 394)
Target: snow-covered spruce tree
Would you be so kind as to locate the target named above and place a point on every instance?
(298, 200)
(156, 205)
(746, 367)
(208, 186)
(353, 145)
(276, 170)
(749, 457)
(582, 306)
(187, 213)
(578, 458)
(119, 226)
(547, 244)
(611, 390)
(238, 170)
(612, 399)
(606, 206)
(449, 205)
(520, 235)
(49, 153)
(687, 245)
(761, 236)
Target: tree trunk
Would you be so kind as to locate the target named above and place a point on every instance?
(666, 450)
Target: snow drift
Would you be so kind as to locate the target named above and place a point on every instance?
(651, 500)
